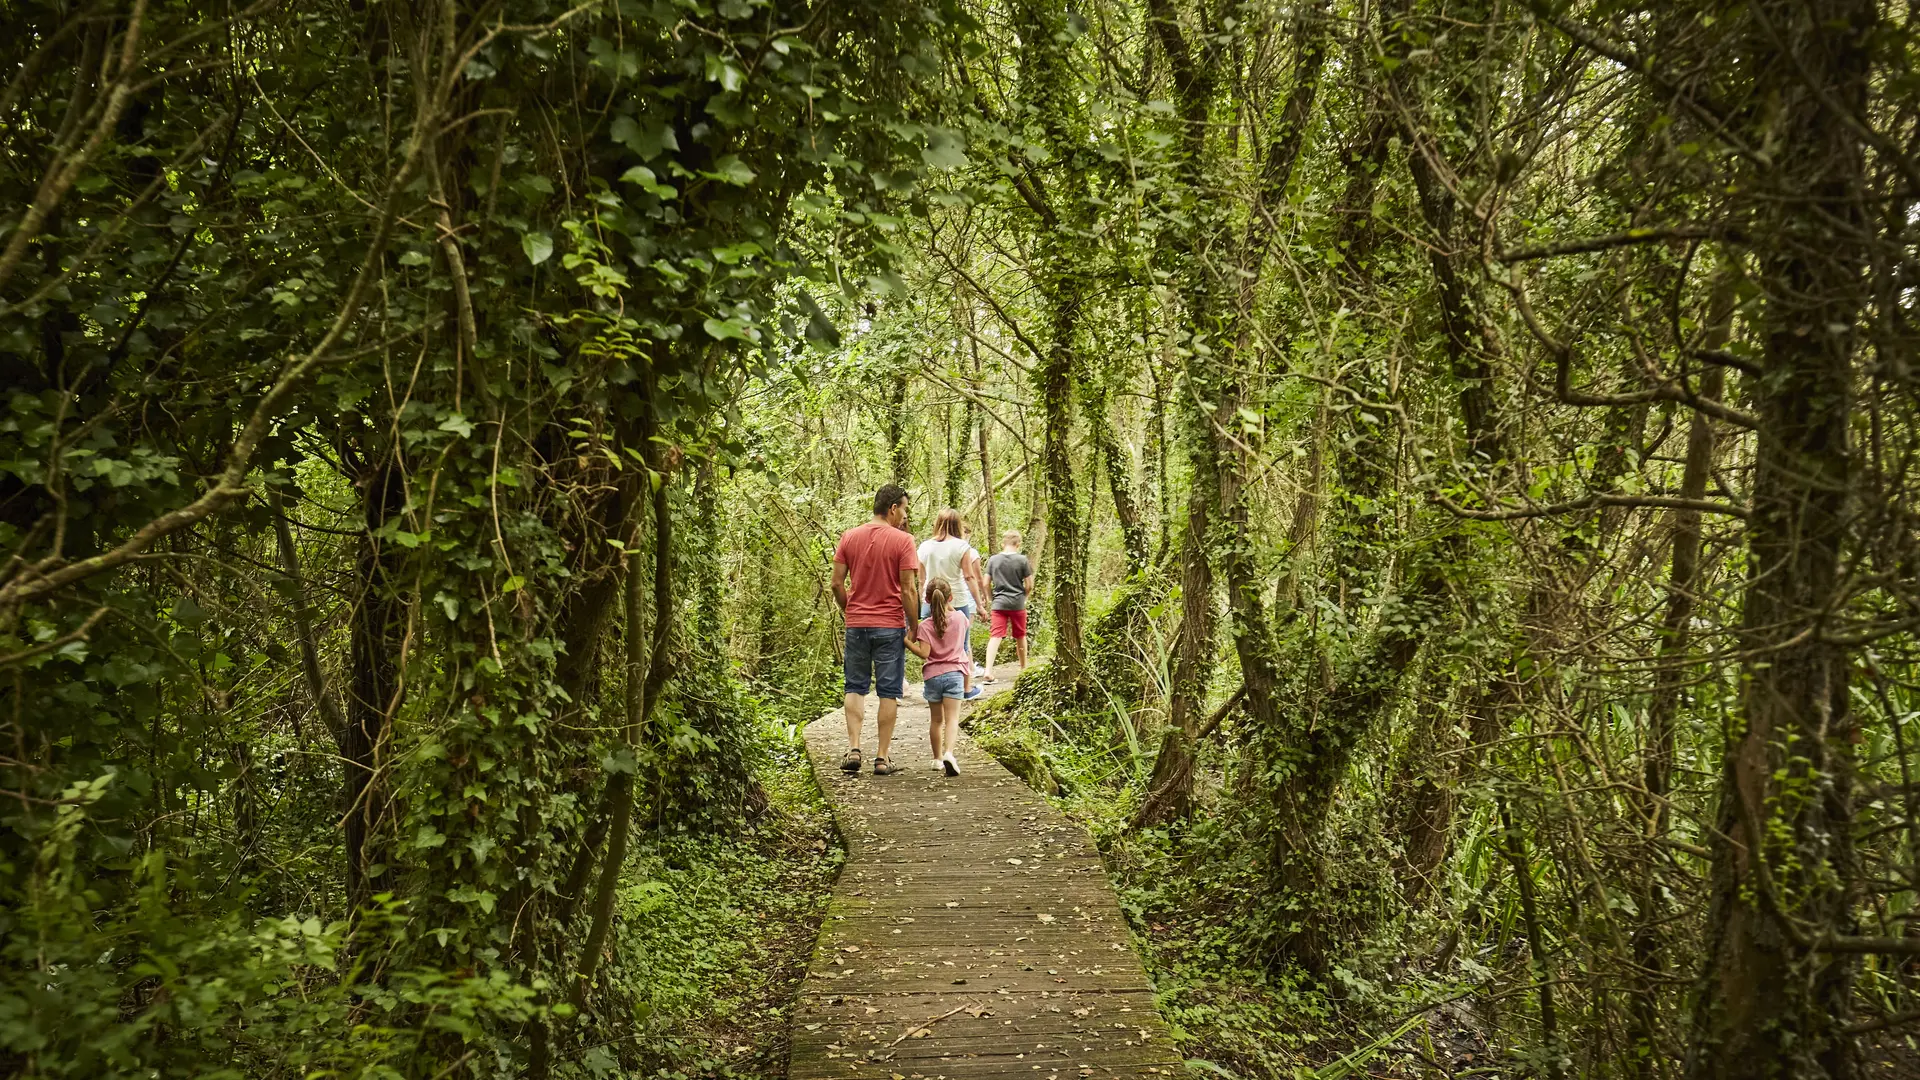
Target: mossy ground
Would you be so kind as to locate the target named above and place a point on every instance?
(720, 928)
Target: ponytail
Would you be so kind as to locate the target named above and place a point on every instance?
(939, 597)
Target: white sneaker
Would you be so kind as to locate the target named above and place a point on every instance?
(979, 670)
(952, 766)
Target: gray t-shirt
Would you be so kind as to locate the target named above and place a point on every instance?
(1008, 573)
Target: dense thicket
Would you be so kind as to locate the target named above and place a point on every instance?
(1468, 450)
(367, 365)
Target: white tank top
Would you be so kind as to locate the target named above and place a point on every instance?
(940, 561)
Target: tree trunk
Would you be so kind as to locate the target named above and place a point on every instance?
(1068, 589)
(379, 620)
(899, 451)
(1772, 1002)
(1170, 788)
(1673, 672)
(1113, 456)
(646, 676)
(1469, 345)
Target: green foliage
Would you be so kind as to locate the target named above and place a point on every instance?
(721, 927)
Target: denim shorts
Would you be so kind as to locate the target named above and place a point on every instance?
(950, 684)
(877, 654)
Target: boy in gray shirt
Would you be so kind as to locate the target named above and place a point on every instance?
(1012, 578)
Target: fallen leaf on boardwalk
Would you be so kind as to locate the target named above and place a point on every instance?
(1016, 862)
(953, 903)
(1042, 918)
(851, 948)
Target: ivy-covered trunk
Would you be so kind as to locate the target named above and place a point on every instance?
(1778, 985)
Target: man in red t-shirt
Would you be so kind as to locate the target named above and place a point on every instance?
(880, 607)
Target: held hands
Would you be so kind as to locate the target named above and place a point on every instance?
(918, 647)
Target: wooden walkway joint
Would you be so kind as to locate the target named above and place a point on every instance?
(972, 933)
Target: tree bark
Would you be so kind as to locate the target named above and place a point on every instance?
(1772, 1003)
(646, 676)
(1126, 511)
(379, 619)
(899, 451)
(1649, 936)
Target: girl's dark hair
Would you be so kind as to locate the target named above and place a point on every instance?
(939, 598)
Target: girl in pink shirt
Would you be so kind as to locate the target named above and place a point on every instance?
(947, 669)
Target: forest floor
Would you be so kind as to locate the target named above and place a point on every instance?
(722, 928)
(1227, 1018)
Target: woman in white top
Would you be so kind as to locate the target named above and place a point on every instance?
(950, 558)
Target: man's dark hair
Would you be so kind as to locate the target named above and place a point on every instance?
(888, 497)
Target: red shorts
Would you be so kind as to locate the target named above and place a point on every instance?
(1004, 621)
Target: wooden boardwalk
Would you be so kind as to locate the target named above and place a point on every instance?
(972, 933)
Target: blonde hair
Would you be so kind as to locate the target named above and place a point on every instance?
(939, 598)
(947, 525)
(1011, 536)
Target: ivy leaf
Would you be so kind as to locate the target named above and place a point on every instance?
(429, 837)
(732, 254)
(731, 170)
(726, 329)
(820, 329)
(538, 246)
(458, 424)
(648, 182)
(723, 71)
(945, 150)
(646, 139)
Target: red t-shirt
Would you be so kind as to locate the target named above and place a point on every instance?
(874, 554)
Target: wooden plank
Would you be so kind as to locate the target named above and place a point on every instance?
(973, 934)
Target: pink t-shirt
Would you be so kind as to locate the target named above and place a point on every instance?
(874, 554)
(949, 653)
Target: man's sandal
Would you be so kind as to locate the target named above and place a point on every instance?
(851, 763)
(883, 767)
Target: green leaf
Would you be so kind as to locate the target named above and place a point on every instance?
(820, 329)
(726, 329)
(514, 584)
(732, 254)
(723, 71)
(647, 138)
(538, 246)
(945, 150)
(457, 424)
(648, 182)
(731, 170)
(429, 837)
